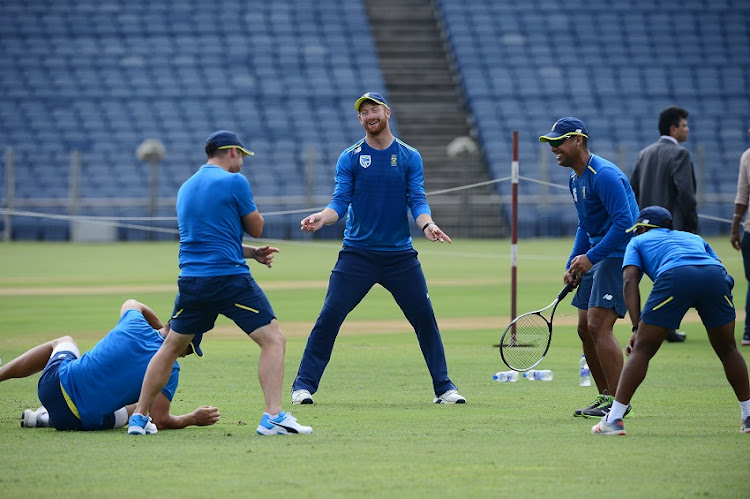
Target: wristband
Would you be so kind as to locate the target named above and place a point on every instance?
(634, 329)
(427, 225)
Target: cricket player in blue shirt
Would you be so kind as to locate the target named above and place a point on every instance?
(215, 208)
(687, 274)
(606, 207)
(98, 390)
(378, 181)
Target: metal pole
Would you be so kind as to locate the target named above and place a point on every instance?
(463, 227)
(9, 193)
(514, 231)
(153, 193)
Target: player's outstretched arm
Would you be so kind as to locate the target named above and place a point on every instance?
(204, 415)
(262, 254)
(431, 230)
(315, 221)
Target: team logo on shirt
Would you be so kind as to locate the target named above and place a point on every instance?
(575, 194)
(394, 160)
(365, 160)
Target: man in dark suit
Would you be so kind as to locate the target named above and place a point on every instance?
(663, 176)
(663, 172)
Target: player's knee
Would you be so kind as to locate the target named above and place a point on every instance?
(270, 336)
(63, 339)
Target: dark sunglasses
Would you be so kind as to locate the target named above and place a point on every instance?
(558, 142)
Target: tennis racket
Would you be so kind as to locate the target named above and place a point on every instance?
(527, 338)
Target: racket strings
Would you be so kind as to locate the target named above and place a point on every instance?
(525, 341)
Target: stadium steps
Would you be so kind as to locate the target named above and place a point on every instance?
(430, 112)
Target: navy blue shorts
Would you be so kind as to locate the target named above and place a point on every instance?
(707, 288)
(51, 396)
(200, 300)
(602, 287)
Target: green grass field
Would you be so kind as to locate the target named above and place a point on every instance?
(376, 431)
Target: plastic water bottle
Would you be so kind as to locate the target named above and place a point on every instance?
(584, 374)
(540, 375)
(506, 376)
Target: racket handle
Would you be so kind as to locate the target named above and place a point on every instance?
(567, 289)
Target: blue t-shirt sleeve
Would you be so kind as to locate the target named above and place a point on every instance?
(632, 256)
(243, 195)
(171, 387)
(613, 194)
(580, 245)
(344, 185)
(415, 195)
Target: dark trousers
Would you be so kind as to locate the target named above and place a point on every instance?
(746, 263)
(356, 272)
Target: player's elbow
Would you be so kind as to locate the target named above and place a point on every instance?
(253, 224)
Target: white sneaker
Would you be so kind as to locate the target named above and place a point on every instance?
(141, 425)
(301, 397)
(283, 424)
(35, 419)
(450, 397)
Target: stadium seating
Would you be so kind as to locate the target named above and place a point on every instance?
(615, 65)
(100, 77)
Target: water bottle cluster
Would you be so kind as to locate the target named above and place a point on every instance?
(513, 376)
(538, 375)
(584, 374)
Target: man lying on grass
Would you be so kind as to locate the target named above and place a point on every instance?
(98, 390)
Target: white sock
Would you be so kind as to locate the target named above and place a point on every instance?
(271, 416)
(745, 408)
(616, 412)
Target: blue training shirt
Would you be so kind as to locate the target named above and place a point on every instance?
(606, 207)
(109, 376)
(210, 207)
(658, 250)
(376, 189)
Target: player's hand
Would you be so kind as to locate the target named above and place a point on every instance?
(264, 255)
(580, 265)
(631, 344)
(572, 277)
(206, 415)
(312, 223)
(734, 238)
(435, 233)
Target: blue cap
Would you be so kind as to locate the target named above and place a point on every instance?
(195, 345)
(652, 216)
(565, 127)
(224, 139)
(373, 96)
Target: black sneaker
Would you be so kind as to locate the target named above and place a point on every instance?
(746, 339)
(599, 400)
(676, 336)
(604, 409)
(745, 428)
(601, 410)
